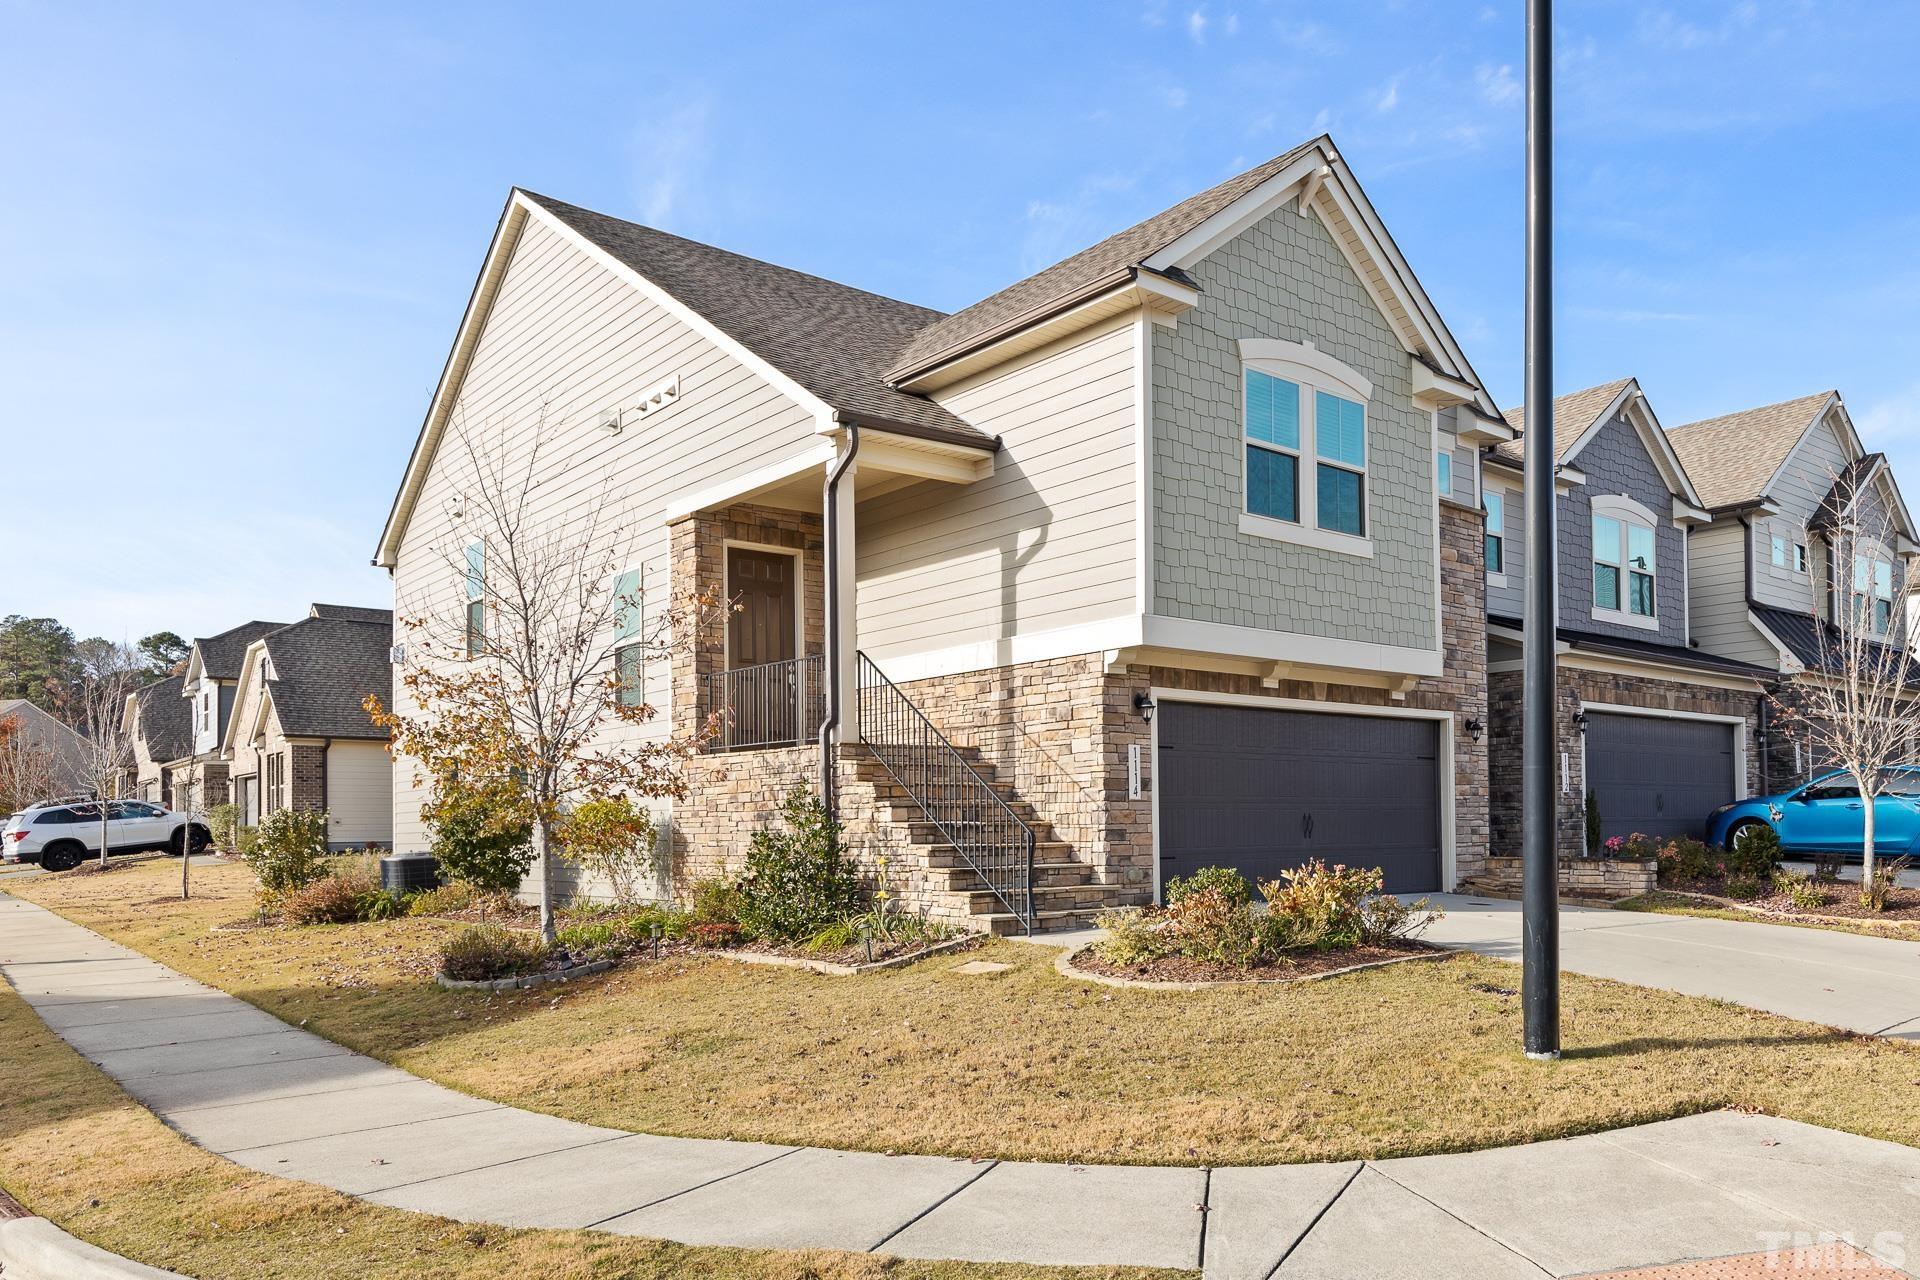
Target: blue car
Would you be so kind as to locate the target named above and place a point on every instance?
(1824, 816)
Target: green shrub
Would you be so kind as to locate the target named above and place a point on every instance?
(1879, 890)
(714, 901)
(222, 819)
(1225, 879)
(481, 835)
(1755, 854)
(1685, 860)
(483, 951)
(1133, 936)
(1593, 824)
(291, 851)
(380, 904)
(1385, 919)
(835, 937)
(798, 880)
(1805, 893)
(1209, 926)
(443, 900)
(612, 839)
(328, 900)
(246, 840)
(594, 936)
(1743, 886)
(636, 928)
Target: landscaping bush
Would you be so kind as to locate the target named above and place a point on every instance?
(381, 904)
(1756, 854)
(291, 850)
(1803, 892)
(1685, 860)
(715, 933)
(481, 835)
(1636, 846)
(333, 899)
(443, 900)
(1133, 937)
(595, 937)
(481, 952)
(1208, 925)
(1743, 886)
(714, 901)
(612, 839)
(1224, 879)
(798, 880)
(835, 937)
(636, 928)
(1878, 891)
(1315, 907)
(245, 841)
(222, 820)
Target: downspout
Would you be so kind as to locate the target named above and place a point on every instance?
(830, 499)
(326, 771)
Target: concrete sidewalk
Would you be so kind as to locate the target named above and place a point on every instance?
(1869, 985)
(244, 1084)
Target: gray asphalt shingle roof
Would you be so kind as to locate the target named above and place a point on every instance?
(351, 613)
(1731, 458)
(1573, 413)
(323, 670)
(836, 341)
(166, 719)
(221, 655)
(1038, 294)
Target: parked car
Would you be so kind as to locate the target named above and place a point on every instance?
(1825, 815)
(61, 836)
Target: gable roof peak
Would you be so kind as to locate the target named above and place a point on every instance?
(1573, 413)
(1734, 458)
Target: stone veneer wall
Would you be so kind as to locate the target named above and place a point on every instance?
(1576, 685)
(1601, 879)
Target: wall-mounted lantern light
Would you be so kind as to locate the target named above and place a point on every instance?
(1144, 705)
(1580, 721)
(1475, 729)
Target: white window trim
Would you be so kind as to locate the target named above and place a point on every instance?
(1876, 553)
(1627, 512)
(1503, 493)
(1312, 370)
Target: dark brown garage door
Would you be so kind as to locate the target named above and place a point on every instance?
(1656, 775)
(1261, 791)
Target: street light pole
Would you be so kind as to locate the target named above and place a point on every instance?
(1540, 908)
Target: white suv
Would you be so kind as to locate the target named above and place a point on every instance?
(61, 836)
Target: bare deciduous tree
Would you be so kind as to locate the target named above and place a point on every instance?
(111, 672)
(29, 770)
(1856, 707)
(530, 667)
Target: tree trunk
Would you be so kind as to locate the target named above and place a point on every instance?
(186, 847)
(1866, 843)
(103, 828)
(543, 857)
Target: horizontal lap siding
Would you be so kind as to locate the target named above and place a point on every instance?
(359, 793)
(568, 331)
(1046, 542)
(1717, 587)
(1809, 476)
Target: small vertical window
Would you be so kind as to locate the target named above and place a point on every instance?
(628, 666)
(1273, 447)
(1493, 502)
(1443, 473)
(1606, 563)
(1882, 597)
(476, 600)
(1799, 557)
(1340, 440)
(1640, 570)
(1779, 551)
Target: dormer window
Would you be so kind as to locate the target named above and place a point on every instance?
(1624, 568)
(1303, 409)
(1873, 592)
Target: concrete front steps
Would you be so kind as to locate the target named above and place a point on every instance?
(1065, 892)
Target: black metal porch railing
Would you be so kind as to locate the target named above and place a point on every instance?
(775, 704)
(968, 813)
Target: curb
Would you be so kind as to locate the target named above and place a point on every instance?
(524, 980)
(35, 1249)
(837, 970)
(1064, 963)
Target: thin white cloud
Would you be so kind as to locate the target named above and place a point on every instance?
(1197, 26)
(1231, 25)
(1388, 98)
(670, 157)
(1893, 420)
(1499, 87)
(1174, 97)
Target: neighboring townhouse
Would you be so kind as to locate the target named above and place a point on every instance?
(160, 723)
(208, 685)
(1167, 556)
(1657, 729)
(40, 731)
(300, 736)
(1803, 519)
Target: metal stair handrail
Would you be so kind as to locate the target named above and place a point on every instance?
(962, 806)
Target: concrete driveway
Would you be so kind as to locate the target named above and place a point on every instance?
(1870, 985)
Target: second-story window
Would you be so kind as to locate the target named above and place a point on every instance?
(476, 600)
(1494, 503)
(1623, 564)
(1273, 447)
(1304, 447)
(628, 669)
(1340, 434)
(1443, 473)
(1873, 592)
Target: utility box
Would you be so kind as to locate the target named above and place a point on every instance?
(408, 872)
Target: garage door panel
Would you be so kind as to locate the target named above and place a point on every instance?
(1265, 790)
(1658, 775)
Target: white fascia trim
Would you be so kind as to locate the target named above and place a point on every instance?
(1238, 216)
(1438, 390)
(1592, 429)
(1482, 430)
(1789, 664)
(1819, 417)
(1612, 664)
(248, 664)
(747, 483)
(1287, 646)
(1619, 504)
(1143, 462)
(1039, 646)
(1684, 513)
(922, 459)
(1565, 478)
(1621, 618)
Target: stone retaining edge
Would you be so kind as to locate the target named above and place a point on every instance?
(523, 980)
(1064, 963)
(35, 1249)
(837, 970)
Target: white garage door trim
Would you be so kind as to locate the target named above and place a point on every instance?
(1738, 723)
(1159, 695)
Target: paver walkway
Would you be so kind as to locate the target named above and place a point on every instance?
(245, 1085)
(1870, 985)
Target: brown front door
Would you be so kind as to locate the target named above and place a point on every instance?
(762, 630)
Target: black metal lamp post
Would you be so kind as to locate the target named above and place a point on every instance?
(1540, 907)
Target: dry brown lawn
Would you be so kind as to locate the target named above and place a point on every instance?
(1404, 1060)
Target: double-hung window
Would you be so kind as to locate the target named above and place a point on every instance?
(1873, 592)
(1304, 447)
(628, 654)
(476, 599)
(1623, 563)
(1494, 503)
(1443, 473)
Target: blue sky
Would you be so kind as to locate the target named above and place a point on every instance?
(236, 239)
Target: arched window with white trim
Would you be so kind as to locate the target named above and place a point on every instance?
(1305, 447)
(1625, 562)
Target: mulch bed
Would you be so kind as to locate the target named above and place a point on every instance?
(1302, 965)
(854, 955)
(1843, 901)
